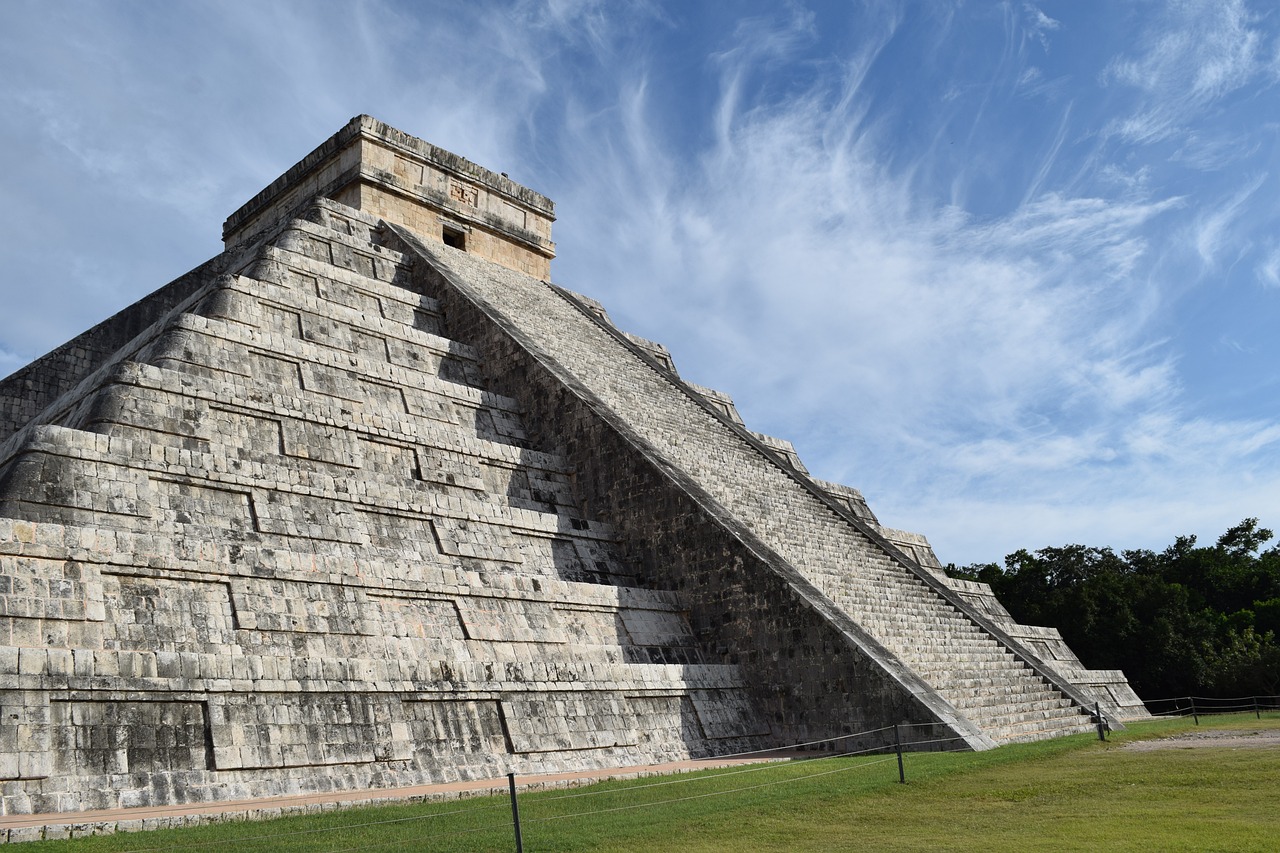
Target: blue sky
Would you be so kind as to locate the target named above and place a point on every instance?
(1012, 269)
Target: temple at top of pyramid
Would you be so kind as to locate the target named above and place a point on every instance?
(367, 501)
(378, 170)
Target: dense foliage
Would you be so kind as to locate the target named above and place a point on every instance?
(1188, 621)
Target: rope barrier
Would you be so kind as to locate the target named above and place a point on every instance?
(932, 740)
(777, 750)
(1198, 705)
(268, 837)
(917, 725)
(709, 776)
(714, 793)
(803, 744)
(747, 754)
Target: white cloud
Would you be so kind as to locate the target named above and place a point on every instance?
(1268, 268)
(1208, 149)
(1195, 53)
(1039, 25)
(1212, 231)
(1153, 479)
(910, 350)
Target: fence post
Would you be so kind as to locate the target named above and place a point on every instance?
(515, 811)
(1097, 715)
(1257, 712)
(897, 745)
(1195, 715)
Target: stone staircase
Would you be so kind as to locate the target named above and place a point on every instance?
(972, 670)
(946, 648)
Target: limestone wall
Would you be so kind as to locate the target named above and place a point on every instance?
(295, 543)
(29, 390)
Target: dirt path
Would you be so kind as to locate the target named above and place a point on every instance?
(1262, 738)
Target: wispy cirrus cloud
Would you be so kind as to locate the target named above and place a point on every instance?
(1268, 269)
(1039, 25)
(909, 348)
(1212, 232)
(1194, 53)
(810, 232)
(1161, 472)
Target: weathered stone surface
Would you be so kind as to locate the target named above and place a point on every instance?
(351, 506)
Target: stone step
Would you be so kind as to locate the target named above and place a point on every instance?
(982, 678)
(984, 647)
(327, 379)
(904, 628)
(911, 615)
(993, 707)
(1028, 735)
(261, 303)
(1001, 694)
(1011, 717)
(942, 641)
(992, 703)
(339, 218)
(908, 610)
(894, 576)
(950, 656)
(1016, 731)
(985, 681)
(294, 270)
(342, 250)
(937, 663)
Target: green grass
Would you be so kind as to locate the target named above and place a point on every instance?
(1068, 794)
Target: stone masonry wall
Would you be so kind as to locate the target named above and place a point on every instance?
(28, 391)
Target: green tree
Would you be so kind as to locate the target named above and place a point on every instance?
(1189, 620)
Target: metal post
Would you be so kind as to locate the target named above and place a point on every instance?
(1097, 716)
(897, 745)
(515, 811)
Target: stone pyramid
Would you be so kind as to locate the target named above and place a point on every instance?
(367, 501)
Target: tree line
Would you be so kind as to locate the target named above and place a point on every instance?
(1187, 621)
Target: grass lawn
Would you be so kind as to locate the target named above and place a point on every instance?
(1068, 794)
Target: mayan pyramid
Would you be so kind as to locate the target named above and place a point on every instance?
(366, 500)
